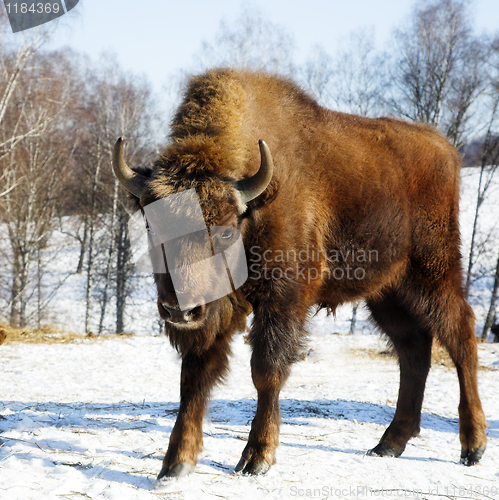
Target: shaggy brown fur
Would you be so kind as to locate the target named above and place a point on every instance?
(358, 208)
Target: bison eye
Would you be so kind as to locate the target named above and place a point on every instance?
(227, 234)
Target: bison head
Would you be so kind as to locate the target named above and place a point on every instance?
(195, 243)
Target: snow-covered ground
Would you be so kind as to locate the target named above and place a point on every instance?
(92, 420)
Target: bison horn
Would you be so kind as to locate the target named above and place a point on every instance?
(255, 185)
(132, 181)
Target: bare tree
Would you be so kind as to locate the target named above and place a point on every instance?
(437, 69)
(488, 154)
(251, 42)
(358, 75)
(118, 104)
(490, 157)
(317, 74)
(16, 55)
(489, 162)
(468, 84)
(32, 173)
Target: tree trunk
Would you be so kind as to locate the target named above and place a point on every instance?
(81, 260)
(471, 258)
(353, 321)
(123, 251)
(90, 259)
(39, 275)
(15, 291)
(489, 321)
(19, 283)
(112, 238)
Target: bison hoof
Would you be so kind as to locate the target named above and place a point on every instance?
(252, 467)
(471, 457)
(384, 450)
(178, 470)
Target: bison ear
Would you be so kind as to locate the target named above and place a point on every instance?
(266, 198)
(134, 200)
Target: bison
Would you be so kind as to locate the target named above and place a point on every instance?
(332, 208)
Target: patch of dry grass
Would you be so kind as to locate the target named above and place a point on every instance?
(48, 335)
(439, 356)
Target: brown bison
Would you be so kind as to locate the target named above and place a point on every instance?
(337, 208)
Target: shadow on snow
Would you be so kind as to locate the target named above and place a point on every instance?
(160, 417)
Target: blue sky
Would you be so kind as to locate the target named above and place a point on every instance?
(158, 37)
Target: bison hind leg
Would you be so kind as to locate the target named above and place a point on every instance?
(412, 341)
(460, 341)
(410, 322)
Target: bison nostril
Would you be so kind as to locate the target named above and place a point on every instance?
(167, 309)
(196, 312)
(195, 309)
(187, 315)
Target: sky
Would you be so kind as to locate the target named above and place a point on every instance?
(157, 38)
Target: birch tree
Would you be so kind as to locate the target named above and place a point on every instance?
(251, 42)
(437, 70)
(16, 57)
(491, 158)
(32, 174)
(119, 104)
(353, 80)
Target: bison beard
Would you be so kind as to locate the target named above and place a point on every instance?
(342, 184)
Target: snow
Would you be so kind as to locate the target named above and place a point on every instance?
(92, 419)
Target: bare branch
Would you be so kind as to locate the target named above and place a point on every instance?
(252, 42)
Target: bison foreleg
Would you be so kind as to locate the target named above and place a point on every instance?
(273, 353)
(259, 453)
(199, 374)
